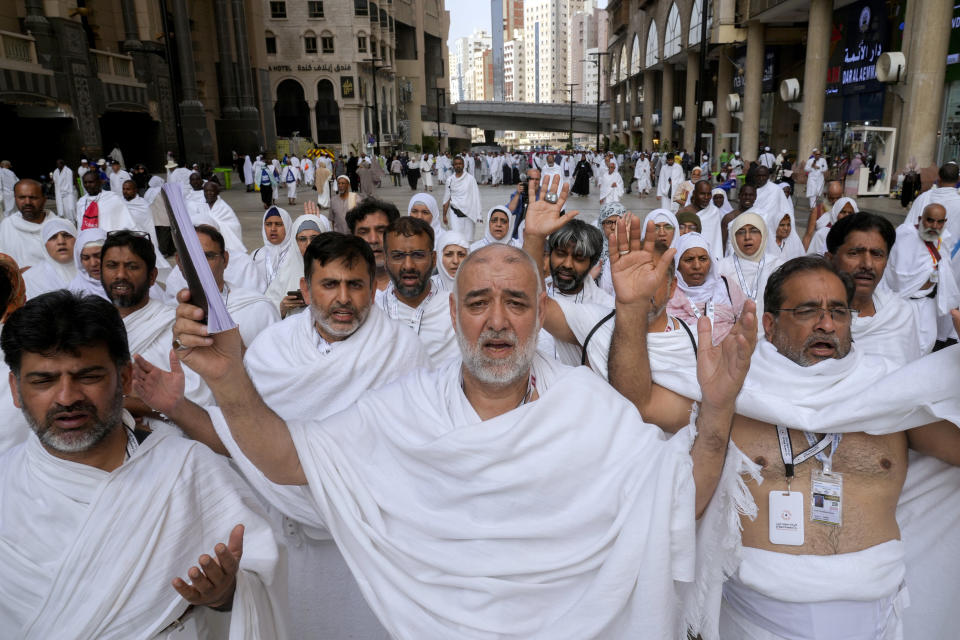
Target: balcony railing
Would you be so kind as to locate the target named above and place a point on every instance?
(113, 67)
(19, 52)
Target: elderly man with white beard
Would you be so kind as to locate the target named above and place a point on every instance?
(943, 193)
(921, 272)
(611, 184)
(347, 342)
(459, 495)
(822, 542)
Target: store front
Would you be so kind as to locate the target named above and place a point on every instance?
(949, 147)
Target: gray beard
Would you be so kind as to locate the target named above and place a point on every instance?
(929, 235)
(72, 441)
(498, 373)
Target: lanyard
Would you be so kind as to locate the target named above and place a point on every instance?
(708, 308)
(934, 251)
(825, 460)
(786, 452)
(752, 294)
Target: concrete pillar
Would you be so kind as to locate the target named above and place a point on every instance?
(181, 30)
(226, 75)
(666, 105)
(244, 72)
(752, 88)
(690, 106)
(815, 76)
(131, 32)
(724, 86)
(649, 78)
(925, 77)
(313, 119)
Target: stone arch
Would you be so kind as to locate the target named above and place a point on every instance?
(672, 38)
(636, 64)
(290, 110)
(653, 45)
(328, 113)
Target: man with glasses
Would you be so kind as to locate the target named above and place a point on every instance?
(411, 298)
(829, 493)
(128, 270)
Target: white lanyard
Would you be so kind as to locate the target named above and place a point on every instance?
(699, 314)
(786, 451)
(825, 460)
(751, 293)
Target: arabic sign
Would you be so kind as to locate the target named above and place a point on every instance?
(769, 69)
(346, 87)
(860, 34)
(953, 53)
(329, 67)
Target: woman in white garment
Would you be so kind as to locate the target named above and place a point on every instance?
(497, 229)
(749, 264)
(277, 233)
(153, 189)
(426, 169)
(86, 256)
(701, 290)
(305, 228)
(842, 208)
(58, 267)
(424, 206)
(721, 201)
(453, 248)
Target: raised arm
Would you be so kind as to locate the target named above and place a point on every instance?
(636, 275)
(259, 432)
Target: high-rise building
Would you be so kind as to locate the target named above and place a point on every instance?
(513, 67)
(545, 34)
(582, 37)
(464, 65)
(512, 17)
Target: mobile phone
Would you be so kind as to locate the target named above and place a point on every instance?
(296, 293)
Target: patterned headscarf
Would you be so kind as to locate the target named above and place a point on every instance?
(18, 290)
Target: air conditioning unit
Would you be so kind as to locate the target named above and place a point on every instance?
(614, 127)
(655, 119)
(890, 66)
(624, 125)
(790, 90)
(707, 109)
(733, 102)
(678, 113)
(637, 122)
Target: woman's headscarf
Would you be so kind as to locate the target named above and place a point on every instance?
(839, 205)
(291, 268)
(661, 216)
(436, 222)
(742, 220)
(51, 275)
(687, 217)
(83, 282)
(275, 254)
(488, 237)
(18, 289)
(726, 207)
(712, 287)
(446, 239)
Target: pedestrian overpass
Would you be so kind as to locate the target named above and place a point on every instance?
(530, 116)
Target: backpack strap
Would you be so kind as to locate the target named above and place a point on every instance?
(583, 351)
(693, 342)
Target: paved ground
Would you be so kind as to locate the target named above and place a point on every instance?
(250, 210)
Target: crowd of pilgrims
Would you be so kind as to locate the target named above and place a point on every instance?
(108, 237)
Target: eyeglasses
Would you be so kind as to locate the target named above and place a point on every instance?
(840, 315)
(663, 226)
(416, 256)
(128, 232)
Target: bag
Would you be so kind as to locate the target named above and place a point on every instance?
(457, 212)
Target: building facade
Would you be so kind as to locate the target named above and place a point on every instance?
(355, 75)
(793, 74)
(79, 80)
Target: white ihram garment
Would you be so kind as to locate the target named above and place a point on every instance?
(20, 239)
(463, 193)
(430, 320)
(66, 192)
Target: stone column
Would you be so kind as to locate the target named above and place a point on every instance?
(724, 85)
(131, 33)
(649, 78)
(752, 88)
(38, 25)
(666, 105)
(313, 119)
(244, 71)
(925, 77)
(181, 30)
(815, 76)
(690, 106)
(226, 75)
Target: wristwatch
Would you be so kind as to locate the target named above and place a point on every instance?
(551, 198)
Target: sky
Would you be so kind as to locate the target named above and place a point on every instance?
(468, 15)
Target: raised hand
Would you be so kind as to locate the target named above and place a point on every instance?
(212, 583)
(722, 368)
(310, 208)
(634, 267)
(212, 357)
(543, 218)
(161, 390)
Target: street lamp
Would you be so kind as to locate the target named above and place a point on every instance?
(570, 86)
(376, 106)
(439, 95)
(599, 55)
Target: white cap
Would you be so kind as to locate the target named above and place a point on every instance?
(783, 151)
(815, 150)
(766, 148)
(736, 153)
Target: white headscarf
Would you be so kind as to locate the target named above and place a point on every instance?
(726, 207)
(51, 275)
(659, 216)
(83, 282)
(488, 237)
(786, 185)
(713, 287)
(275, 254)
(153, 189)
(291, 268)
(446, 239)
(435, 222)
(839, 205)
(742, 220)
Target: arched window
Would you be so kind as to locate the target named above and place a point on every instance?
(693, 36)
(271, 41)
(624, 69)
(614, 73)
(328, 114)
(671, 39)
(326, 42)
(310, 42)
(635, 59)
(653, 45)
(290, 110)
(361, 42)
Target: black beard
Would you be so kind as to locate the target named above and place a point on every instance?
(132, 299)
(567, 287)
(412, 291)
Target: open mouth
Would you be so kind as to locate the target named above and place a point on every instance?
(498, 347)
(822, 349)
(121, 288)
(70, 421)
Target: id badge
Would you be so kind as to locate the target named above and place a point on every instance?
(826, 497)
(786, 518)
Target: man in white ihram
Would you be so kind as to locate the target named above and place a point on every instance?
(65, 189)
(671, 175)
(471, 501)
(815, 167)
(346, 341)
(461, 201)
(100, 516)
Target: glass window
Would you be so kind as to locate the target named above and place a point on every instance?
(362, 44)
(271, 43)
(326, 42)
(278, 10)
(310, 44)
(361, 8)
(315, 9)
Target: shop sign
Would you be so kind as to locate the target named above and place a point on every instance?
(860, 34)
(769, 70)
(328, 67)
(346, 87)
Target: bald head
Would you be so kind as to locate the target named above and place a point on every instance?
(834, 191)
(932, 220)
(481, 259)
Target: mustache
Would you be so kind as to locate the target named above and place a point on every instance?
(76, 407)
(820, 336)
(503, 335)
